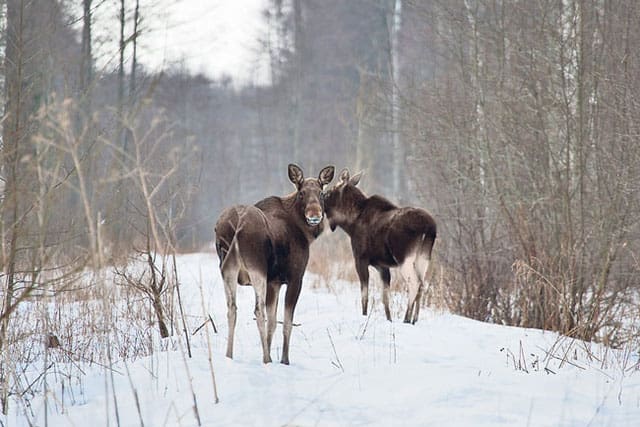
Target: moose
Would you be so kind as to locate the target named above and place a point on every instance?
(267, 245)
(383, 236)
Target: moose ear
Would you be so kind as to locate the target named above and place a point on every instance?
(355, 179)
(326, 175)
(295, 174)
(344, 175)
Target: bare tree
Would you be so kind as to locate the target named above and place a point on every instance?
(514, 127)
(398, 148)
(86, 56)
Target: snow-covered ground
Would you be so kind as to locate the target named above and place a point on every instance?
(347, 369)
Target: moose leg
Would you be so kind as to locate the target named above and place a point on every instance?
(260, 288)
(416, 305)
(422, 265)
(273, 290)
(385, 275)
(362, 268)
(230, 293)
(408, 273)
(290, 301)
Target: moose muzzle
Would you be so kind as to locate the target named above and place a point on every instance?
(314, 220)
(314, 215)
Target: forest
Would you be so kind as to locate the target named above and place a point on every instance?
(515, 123)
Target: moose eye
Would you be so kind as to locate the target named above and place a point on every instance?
(301, 194)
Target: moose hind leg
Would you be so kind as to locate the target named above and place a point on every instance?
(260, 288)
(416, 305)
(230, 293)
(273, 290)
(408, 273)
(421, 265)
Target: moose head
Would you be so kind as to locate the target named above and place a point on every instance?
(341, 199)
(309, 193)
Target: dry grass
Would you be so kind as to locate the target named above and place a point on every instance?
(53, 339)
(331, 259)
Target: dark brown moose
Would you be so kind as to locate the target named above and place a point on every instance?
(383, 236)
(266, 246)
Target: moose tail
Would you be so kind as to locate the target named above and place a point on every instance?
(235, 256)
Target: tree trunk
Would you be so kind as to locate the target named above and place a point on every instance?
(14, 134)
(121, 108)
(86, 60)
(296, 95)
(134, 59)
(398, 147)
(157, 307)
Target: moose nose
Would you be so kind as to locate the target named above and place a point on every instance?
(314, 214)
(314, 220)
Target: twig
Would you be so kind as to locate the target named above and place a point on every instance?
(563, 359)
(184, 323)
(209, 320)
(215, 330)
(280, 322)
(523, 359)
(334, 351)
(29, 386)
(102, 365)
(366, 323)
(209, 352)
(392, 345)
(136, 397)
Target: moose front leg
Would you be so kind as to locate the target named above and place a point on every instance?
(290, 301)
(362, 268)
(385, 275)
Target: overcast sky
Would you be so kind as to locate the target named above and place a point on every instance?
(214, 37)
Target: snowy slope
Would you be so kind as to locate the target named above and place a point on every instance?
(349, 370)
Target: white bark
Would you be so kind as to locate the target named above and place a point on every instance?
(398, 148)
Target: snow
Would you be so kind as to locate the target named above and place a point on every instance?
(347, 369)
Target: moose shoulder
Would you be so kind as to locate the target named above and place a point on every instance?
(383, 236)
